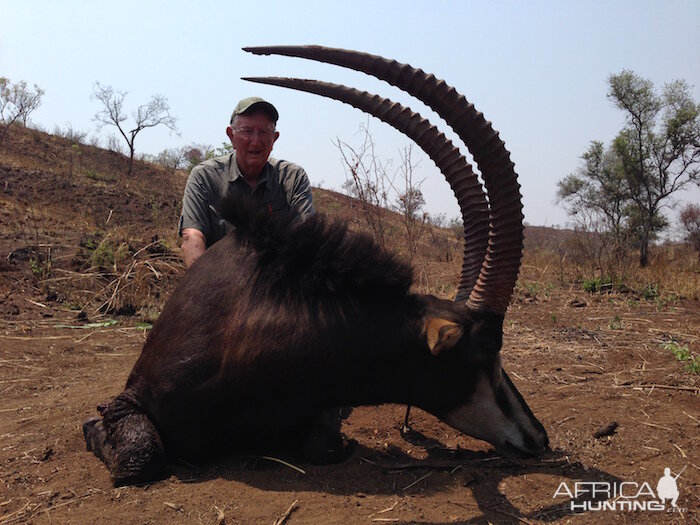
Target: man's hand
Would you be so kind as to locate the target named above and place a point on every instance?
(194, 244)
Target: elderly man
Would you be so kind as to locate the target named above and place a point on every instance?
(280, 186)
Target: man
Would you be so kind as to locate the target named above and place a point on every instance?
(277, 185)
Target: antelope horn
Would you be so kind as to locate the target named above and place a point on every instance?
(440, 149)
(500, 265)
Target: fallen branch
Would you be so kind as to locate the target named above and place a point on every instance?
(652, 425)
(418, 480)
(285, 516)
(681, 451)
(667, 387)
(33, 338)
(388, 509)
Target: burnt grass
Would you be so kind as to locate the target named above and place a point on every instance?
(88, 257)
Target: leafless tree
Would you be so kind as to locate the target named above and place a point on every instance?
(113, 144)
(155, 113)
(379, 188)
(596, 250)
(17, 102)
(409, 203)
(368, 180)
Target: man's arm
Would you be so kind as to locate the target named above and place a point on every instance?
(194, 244)
(194, 224)
(301, 197)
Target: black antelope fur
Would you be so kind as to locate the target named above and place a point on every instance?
(274, 325)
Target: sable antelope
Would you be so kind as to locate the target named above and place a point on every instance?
(279, 322)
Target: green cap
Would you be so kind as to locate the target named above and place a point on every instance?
(257, 103)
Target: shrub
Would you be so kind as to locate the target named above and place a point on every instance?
(682, 353)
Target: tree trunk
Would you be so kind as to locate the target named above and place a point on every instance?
(131, 160)
(644, 247)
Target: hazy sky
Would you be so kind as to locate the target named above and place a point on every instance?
(538, 70)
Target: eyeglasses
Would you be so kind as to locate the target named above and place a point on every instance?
(264, 135)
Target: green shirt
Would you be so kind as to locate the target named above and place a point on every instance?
(282, 187)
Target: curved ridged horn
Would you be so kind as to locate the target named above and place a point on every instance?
(440, 149)
(499, 269)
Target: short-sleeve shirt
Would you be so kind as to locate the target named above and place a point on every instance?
(283, 188)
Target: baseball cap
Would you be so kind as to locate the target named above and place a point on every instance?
(257, 103)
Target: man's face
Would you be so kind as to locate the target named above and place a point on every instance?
(252, 137)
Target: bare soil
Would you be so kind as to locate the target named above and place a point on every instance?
(583, 362)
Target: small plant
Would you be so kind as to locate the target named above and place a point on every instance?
(615, 323)
(532, 289)
(650, 291)
(597, 284)
(682, 353)
(663, 301)
(106, 256)
(40, 265)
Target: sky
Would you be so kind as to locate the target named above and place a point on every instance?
(537, 69)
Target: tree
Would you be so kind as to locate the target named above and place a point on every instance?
(596, 197)
(155, 113)
(368, 181)
(659, 148)
(690, 222)
(378, 188)
(171, 158)
(409, 203)
(598, 187)
(17, 102)
(655, 155)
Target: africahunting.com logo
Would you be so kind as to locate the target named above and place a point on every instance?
(588, 496)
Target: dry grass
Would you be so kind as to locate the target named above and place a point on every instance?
(673, 271)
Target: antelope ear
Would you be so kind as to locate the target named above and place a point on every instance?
(441, 334)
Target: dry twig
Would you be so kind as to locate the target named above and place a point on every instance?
(270, 458)
(220, 516)
(652, 425)
(282, 519)
(418, 480)
(666, 387)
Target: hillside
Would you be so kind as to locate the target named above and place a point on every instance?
(70, 215)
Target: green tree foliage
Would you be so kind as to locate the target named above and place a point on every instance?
(656, 154)
(17, 102)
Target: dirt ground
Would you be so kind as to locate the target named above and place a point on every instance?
(585, 364)
(578, 375)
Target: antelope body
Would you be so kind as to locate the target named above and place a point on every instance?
(280, 322)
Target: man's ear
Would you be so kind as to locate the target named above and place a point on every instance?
(441, 334)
